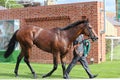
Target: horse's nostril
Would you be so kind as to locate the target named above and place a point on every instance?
(96, 38)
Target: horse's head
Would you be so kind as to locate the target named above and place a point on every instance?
(88, 31)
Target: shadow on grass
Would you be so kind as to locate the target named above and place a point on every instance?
(60, 76)
(11, 76)
(30, 76)
(52, 76)
(7, 75)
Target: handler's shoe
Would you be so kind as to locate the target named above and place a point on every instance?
(66, 76)
(94, 76)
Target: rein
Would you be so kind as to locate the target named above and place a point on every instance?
(83, 40)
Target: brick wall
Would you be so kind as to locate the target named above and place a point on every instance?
(60, 16)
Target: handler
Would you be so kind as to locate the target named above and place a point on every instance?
(81, 50)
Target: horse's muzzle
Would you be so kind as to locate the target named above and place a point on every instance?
(94, 39)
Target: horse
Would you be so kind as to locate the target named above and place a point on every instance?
(55, 41)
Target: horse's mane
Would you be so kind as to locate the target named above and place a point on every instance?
(74, 24)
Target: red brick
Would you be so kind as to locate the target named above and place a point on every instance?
(60, 16)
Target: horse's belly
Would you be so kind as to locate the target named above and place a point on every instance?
(44, 48)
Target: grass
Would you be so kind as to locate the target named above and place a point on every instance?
(108, 69)
(104, 70)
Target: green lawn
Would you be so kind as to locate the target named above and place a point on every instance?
(106, 69)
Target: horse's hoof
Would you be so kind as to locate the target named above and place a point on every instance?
(35, 77)
(46, 75)
(66, 76)
(16, 75)
(94, 76)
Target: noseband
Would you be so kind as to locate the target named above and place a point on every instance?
(89, 30)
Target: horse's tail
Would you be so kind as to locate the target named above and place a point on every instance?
(11, 45)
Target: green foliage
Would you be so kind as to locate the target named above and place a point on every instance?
(116, 42)
(108, 45)
(2, 3)
(10, 4)
(116, 50)
(116, 53)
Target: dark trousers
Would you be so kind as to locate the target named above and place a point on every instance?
(83, 62)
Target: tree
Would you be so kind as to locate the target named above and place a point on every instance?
(10, 4)
(2, 3)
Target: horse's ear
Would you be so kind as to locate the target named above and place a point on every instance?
(87, 20)
(84, 17)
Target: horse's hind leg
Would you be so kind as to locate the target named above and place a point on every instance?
(17, 64)
(26, 59)
(55, 61)
(63, 58)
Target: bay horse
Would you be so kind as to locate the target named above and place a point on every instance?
(56, 41)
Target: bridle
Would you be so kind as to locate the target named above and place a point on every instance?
(89, 29)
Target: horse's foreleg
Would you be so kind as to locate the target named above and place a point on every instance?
(17, 65)
(55, 61)
(63, 59)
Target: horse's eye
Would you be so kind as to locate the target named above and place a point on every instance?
(90, 28)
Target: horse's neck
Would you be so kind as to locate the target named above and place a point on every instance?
(56, 30)
(73, 33)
